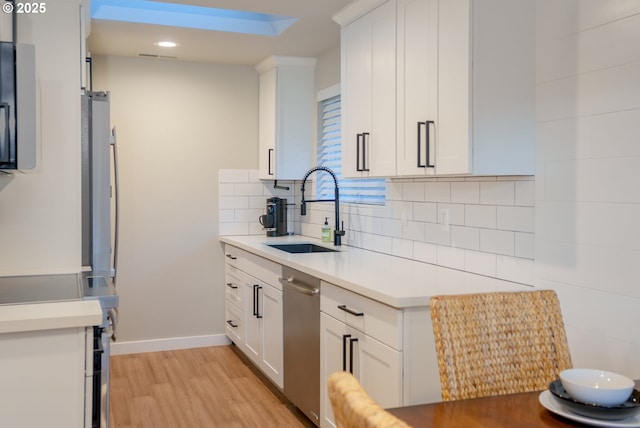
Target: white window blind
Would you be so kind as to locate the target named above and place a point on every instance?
(352, 190)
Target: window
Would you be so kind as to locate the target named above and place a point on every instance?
(352, 190)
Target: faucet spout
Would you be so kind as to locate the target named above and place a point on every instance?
(338, 233)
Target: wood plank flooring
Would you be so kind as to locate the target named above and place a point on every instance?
(194, 388)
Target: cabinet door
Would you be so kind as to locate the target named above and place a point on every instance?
(417, 86)
(331, 360)
(270, 303)
(377, 366)
(368, 93)
(252, 318)
(454, 86)
(267, 124)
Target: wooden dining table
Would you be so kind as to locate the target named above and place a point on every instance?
(521, 410)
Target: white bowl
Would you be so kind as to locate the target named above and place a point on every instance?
(596, 386)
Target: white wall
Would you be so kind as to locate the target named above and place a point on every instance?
(40, 211)
(587, 177)
(178, 123)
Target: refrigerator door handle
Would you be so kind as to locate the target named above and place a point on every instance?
(114, 144)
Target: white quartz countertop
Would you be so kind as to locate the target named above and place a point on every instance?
(395, 281)
(49, 316)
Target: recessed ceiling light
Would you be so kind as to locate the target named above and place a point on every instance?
(166, 44)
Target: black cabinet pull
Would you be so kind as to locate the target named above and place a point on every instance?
(350, 311)
(231, 257)
(269, 172)
(344, 351)
(230, 322)
(257, 289)
(230, 285)
(427, 125)
(358, 152)
(255, 299)
(351, 341)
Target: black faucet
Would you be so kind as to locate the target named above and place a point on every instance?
(338, 233)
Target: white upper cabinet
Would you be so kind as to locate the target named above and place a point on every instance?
(286, 117)
(465, 92)
(368, 51)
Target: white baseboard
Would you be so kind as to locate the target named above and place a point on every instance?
(168, 344)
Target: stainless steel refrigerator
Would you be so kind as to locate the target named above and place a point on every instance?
(100, 239)
(99, 185)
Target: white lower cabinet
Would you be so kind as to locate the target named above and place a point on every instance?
(390, 351)
(253, 310)
(377, 366)
(263, 327)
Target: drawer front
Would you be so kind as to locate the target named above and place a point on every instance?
(233, 286)
(233, 323)
(256, 266)
(373, 318)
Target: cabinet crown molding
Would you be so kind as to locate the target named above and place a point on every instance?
(355, 10)
(276, 60)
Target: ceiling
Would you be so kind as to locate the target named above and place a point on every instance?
(313, 34)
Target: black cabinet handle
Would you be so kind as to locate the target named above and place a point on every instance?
(231, 257)
(230, 285)
(269, 172)
(351, 341)
(256, 300)
(344, 351)
(427, 125)
(230, 322)
(358, 152)
(350, 311)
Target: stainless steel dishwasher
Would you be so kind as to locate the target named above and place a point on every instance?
(301, 303)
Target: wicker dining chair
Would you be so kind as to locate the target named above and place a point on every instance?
(498, 343)
(353, 407)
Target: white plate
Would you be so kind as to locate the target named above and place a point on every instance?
(549, 402)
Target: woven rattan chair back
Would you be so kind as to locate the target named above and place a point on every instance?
(498, 343)
(353, 407)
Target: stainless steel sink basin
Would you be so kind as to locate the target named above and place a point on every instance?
(302, 248)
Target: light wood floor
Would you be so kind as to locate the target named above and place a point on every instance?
(195, 388)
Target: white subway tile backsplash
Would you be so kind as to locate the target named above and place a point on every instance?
(226, 189)
(525, 245)
(425, 211)
(226, 216)
(402, 248)
(489, 217)
(465, 237)
(497, 241)
(525, 193)
(484, 216)
(413, 191)
(435, 234)
(497, 193)
(413, 230)
(438, 191)
(519, 219)
(451, 257)
(465, 192)
(248, 189)
(480, 263)
(232, 202)
(248, 215)
(515, 269)
(425, 252)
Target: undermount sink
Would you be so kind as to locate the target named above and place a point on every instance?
(302, 248)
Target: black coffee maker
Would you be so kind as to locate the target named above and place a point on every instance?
(275, 220)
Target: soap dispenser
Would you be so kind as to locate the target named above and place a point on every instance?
(326, 231)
